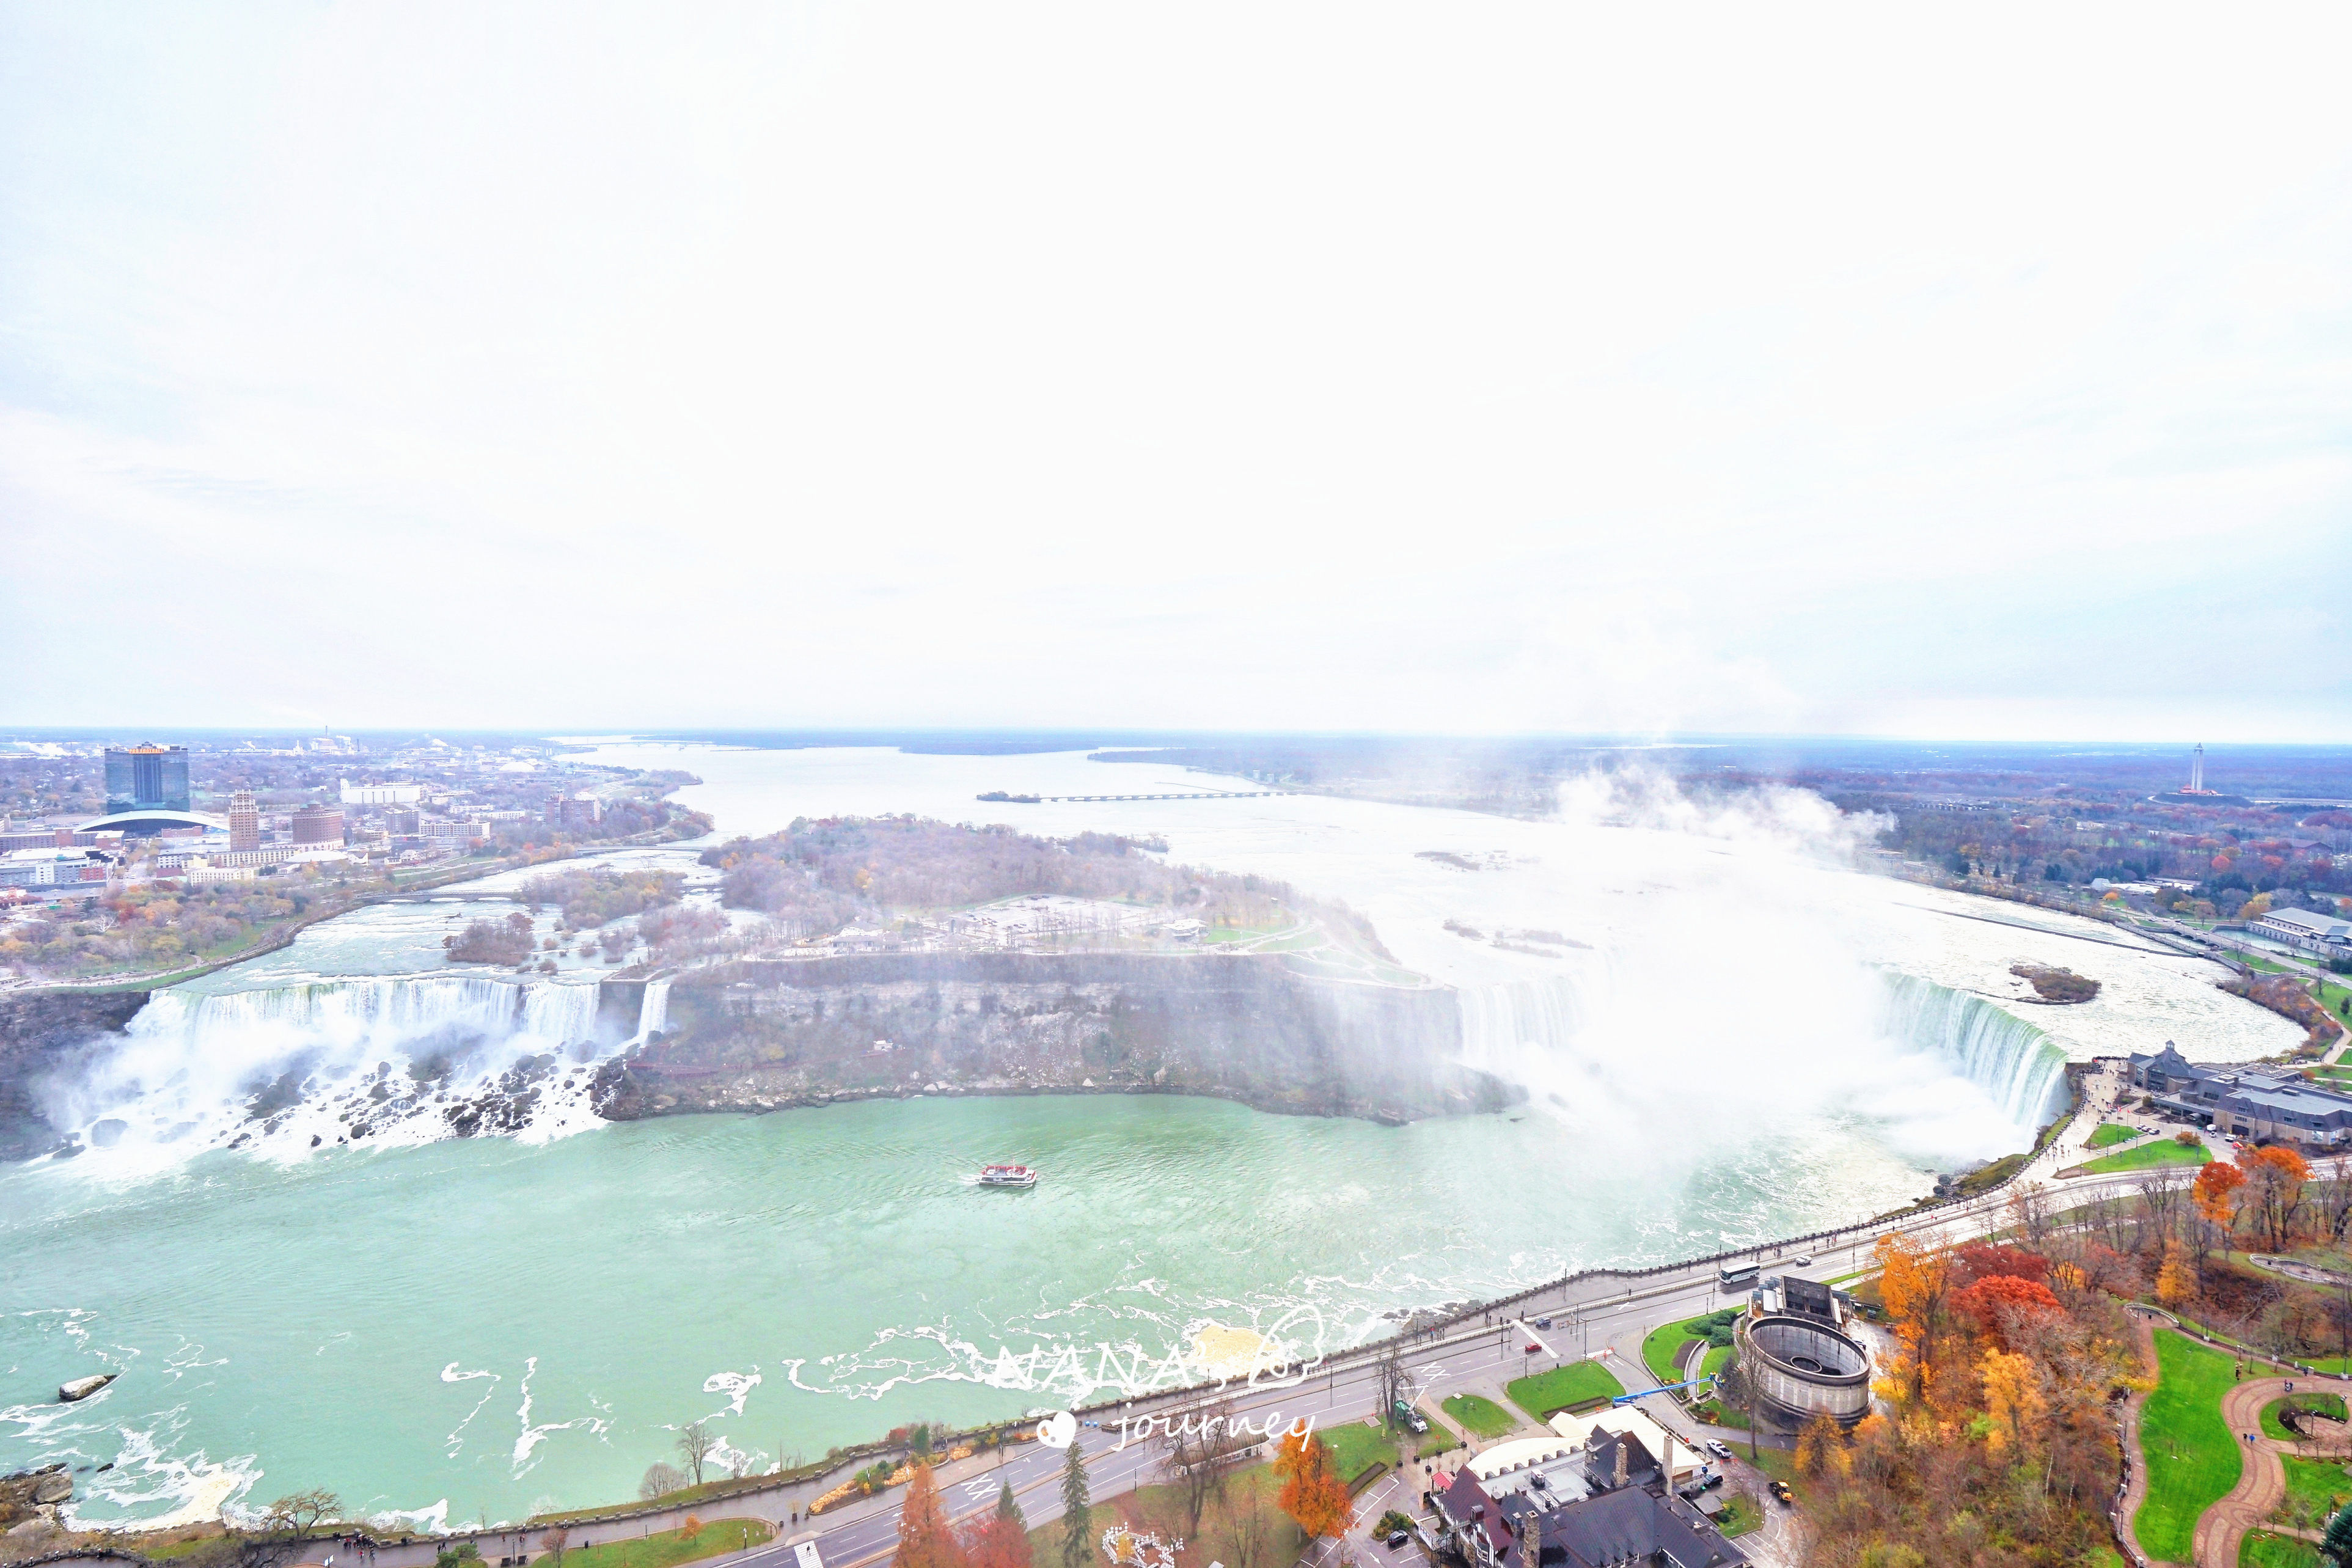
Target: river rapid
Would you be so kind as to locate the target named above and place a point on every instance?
(1751, 1041)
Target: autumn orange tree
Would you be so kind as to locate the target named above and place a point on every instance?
(925, 1538)
(2273, 1187)
(1915, 1284)
(2176, 1282)
(1312, 1492)
(2216, 1194)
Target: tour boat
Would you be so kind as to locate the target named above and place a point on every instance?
(1007, 1176)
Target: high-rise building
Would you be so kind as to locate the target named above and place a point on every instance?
(146, 777)
(318, 825)
(244, 821)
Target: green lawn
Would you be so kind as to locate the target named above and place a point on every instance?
(2330, 1404)
(2109, 1132)
(1740, 1515)
(1659, 1348)
(2264, 1550)
(1480, 1414)
(666, 1547)
(1562, 1386)
(2322, 1485)
(2192, 1460)
(1356, 1447)
(2163, 1152)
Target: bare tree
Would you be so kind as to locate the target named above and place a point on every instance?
(554, 1541)
(286, 1529)
(1395, 1384)
(2163, 1202)
(1202, 1450)
(695, 1443)
(1249, 1533)
(2029, 1210)
(660, 1480)
(2333, 1200)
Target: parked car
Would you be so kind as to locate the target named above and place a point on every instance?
(1714, 1446)
(1782, 1495)
(1397, 1537)
(1543, 1322)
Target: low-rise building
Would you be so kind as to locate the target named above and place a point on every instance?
(2245, 1102)
(2329, 936)
(51, 866)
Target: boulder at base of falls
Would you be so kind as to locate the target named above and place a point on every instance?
(83, 1387)
(52, 1488)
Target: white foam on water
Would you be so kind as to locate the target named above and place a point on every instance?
(736, 1386)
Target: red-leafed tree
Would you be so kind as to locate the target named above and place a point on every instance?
(1995, 1303)
(999, 1538)
(1986, 1259)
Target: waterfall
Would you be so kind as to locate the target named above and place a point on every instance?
(2015, 1064)
(397, 1059)
(1606, 1051)
(653, 1013)
(1505, 1026)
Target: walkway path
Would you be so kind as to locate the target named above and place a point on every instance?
(2134, 1460)
(2263, 1486)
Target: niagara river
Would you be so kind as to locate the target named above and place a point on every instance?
(1746, 1039)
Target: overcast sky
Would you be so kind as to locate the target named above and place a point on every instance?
(1454, 368)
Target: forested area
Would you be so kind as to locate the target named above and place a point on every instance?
(157, 924)
(820, 875)
(1999, 1447)
(590, 898)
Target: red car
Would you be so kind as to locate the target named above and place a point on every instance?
(1535, 1349)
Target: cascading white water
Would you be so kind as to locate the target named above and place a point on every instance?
(387, 1059)
(2013, 1062)
(1615, 1058)
(653, 1012)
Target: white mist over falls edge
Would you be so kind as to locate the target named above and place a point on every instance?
(1751, 1040)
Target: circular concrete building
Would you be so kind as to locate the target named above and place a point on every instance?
(1800, 1367)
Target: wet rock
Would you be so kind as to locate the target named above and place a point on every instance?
(83, 1387)
(52, 1488)
(106, 1134)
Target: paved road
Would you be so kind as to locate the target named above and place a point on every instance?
(1587, 1314)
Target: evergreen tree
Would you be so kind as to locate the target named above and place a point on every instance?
(1077, 1551)
(1006, 1508)
(2336, 1545)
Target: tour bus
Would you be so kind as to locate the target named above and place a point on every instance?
(804, 1550)
(1736, 1276)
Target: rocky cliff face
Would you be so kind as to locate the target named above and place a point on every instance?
(36, 1030)
(759, 1036)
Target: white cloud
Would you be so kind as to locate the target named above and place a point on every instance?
(1233, 366)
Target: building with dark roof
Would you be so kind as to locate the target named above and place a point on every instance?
(1608, 1508)
(2245, 1102)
